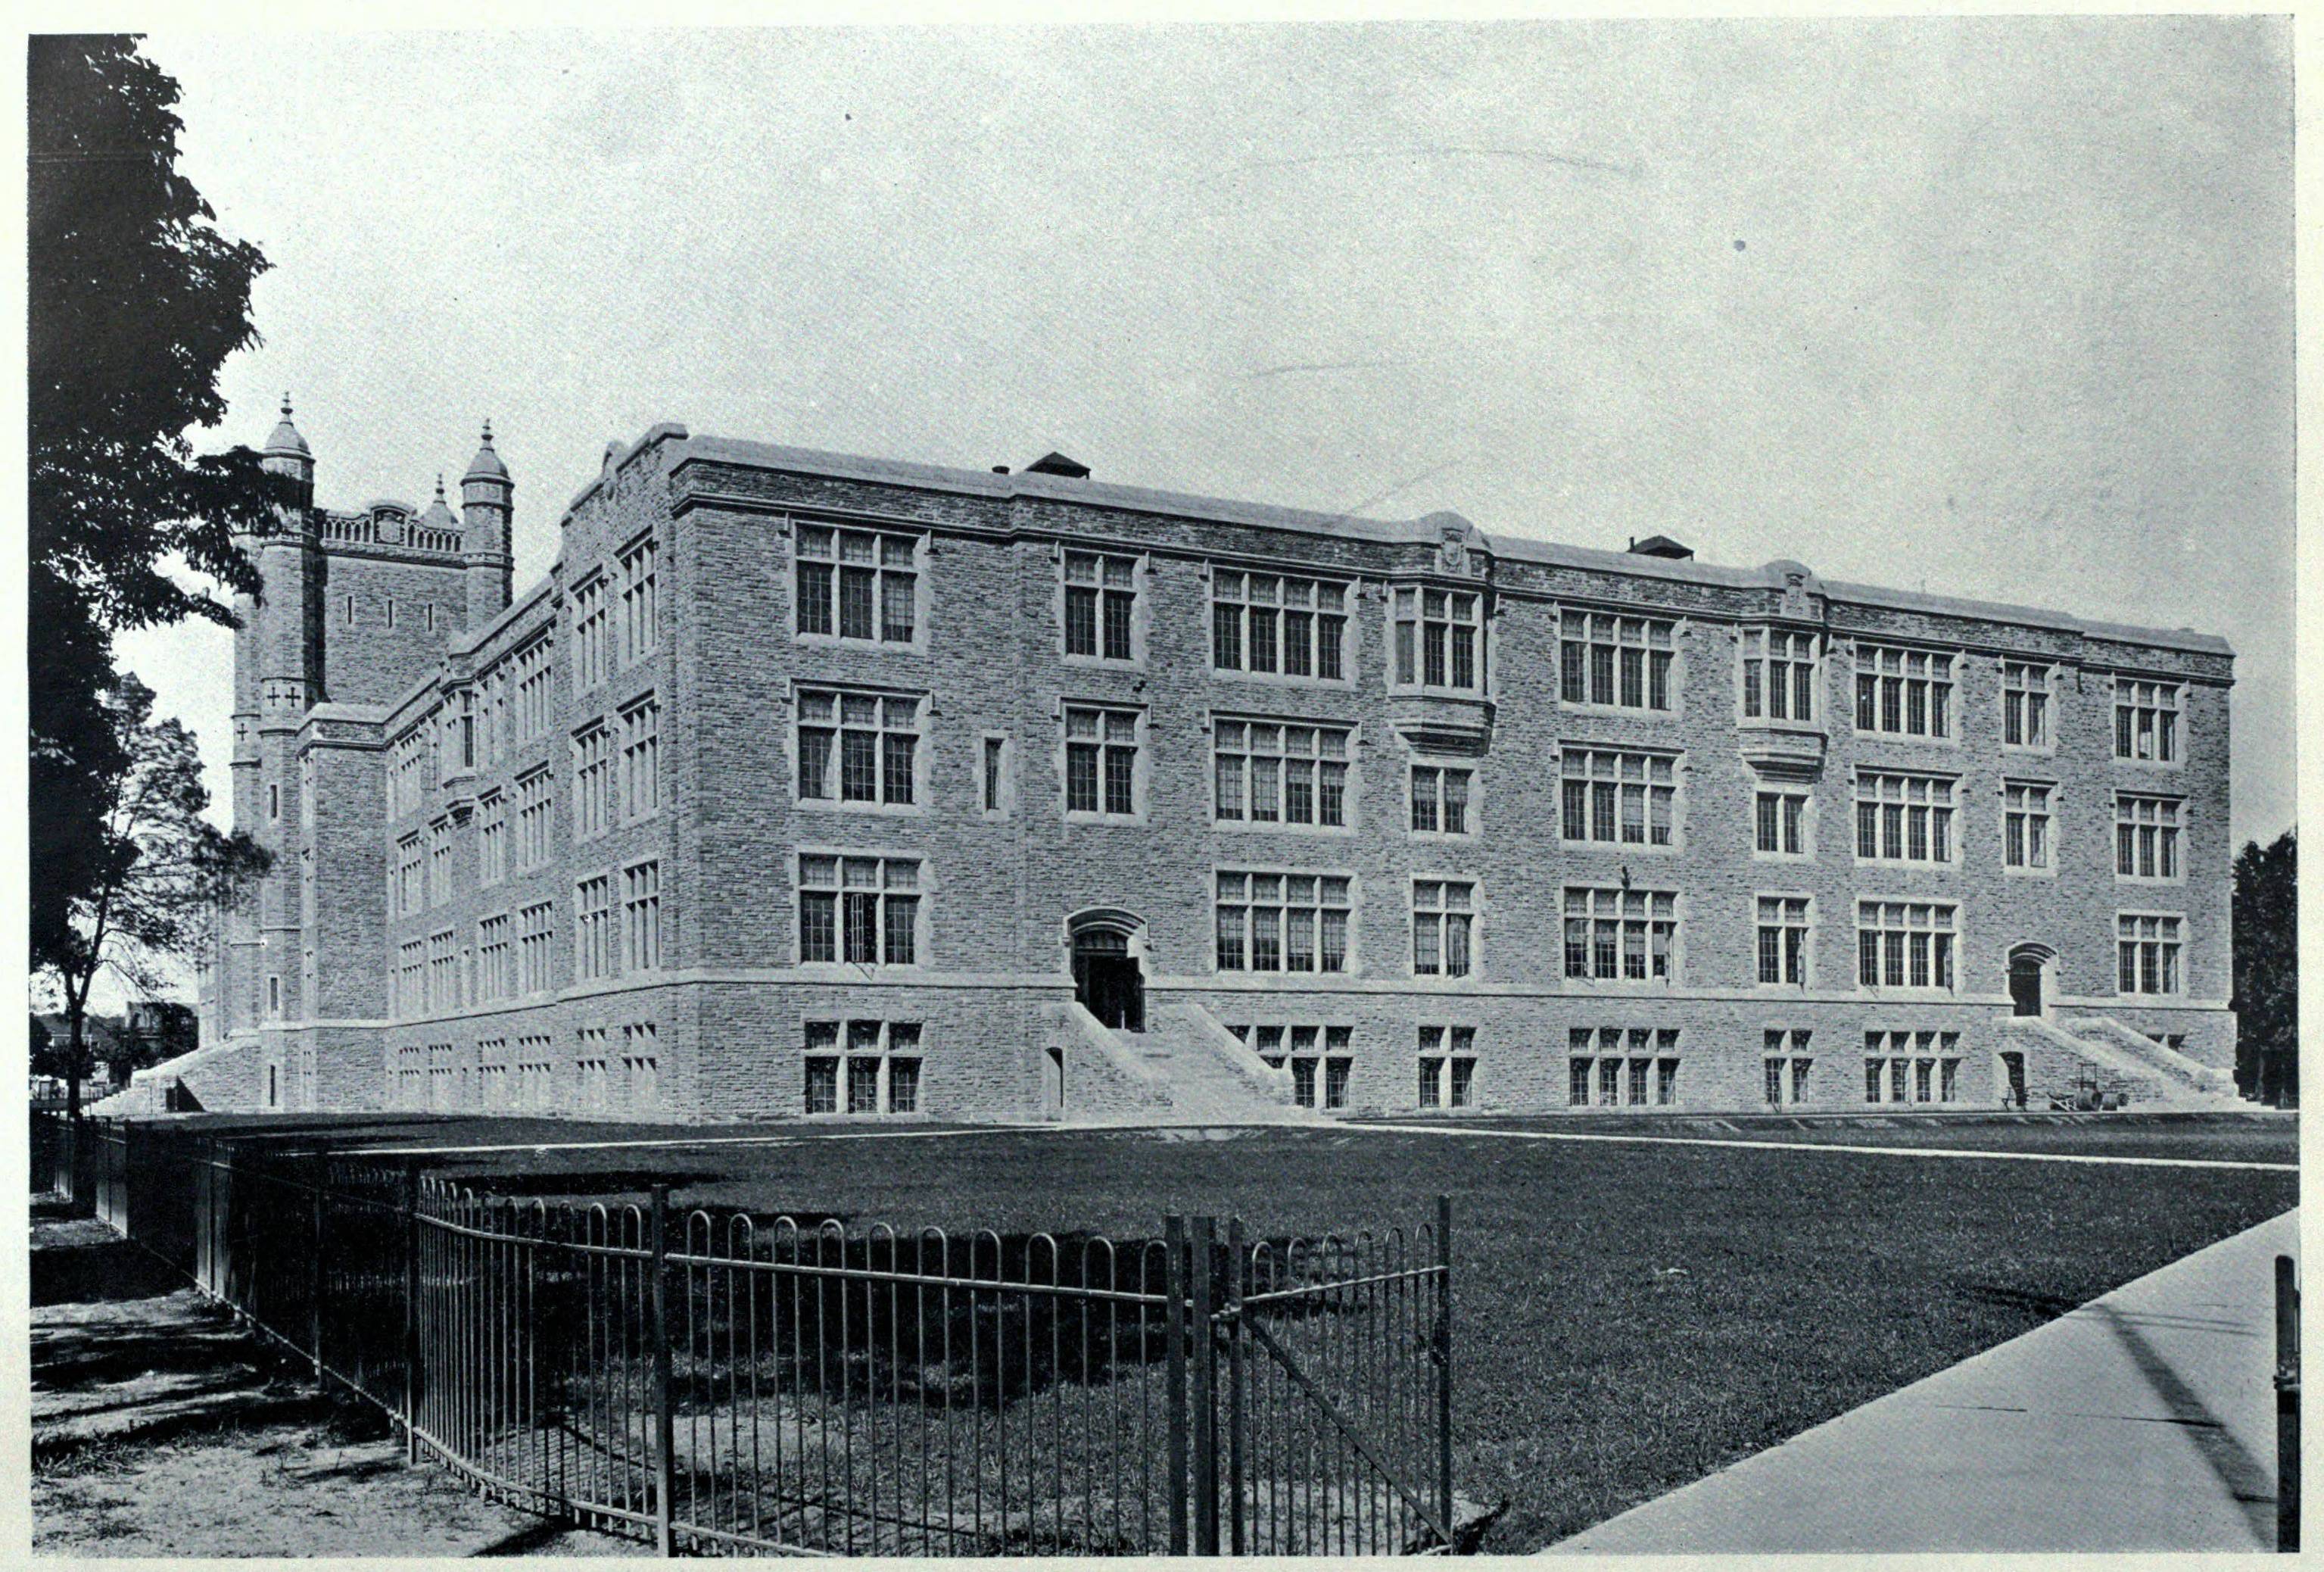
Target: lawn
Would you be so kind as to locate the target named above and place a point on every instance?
(1628, 1317)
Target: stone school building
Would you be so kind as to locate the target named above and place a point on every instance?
(850, 787)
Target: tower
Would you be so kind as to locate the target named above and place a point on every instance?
(487, 502)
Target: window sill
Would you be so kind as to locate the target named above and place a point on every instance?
(861, 646)
(2009, 873)
(837, 805)
(1622, 847)
(1623, 711)
(1105, 662)
(1285, 827)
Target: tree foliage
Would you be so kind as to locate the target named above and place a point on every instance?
(2266, 923)
(134, 302)
(160, 871)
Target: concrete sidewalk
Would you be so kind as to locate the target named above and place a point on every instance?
(2145, 1420)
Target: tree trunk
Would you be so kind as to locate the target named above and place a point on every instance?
(75, 1011)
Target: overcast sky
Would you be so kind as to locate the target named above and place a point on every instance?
(2001, 309)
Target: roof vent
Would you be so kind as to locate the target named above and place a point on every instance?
(1661, 546)
(1001, 469)
(1057, 464)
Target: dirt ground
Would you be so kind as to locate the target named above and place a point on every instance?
(160, 1429)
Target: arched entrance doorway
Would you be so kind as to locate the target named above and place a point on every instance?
(2029, 970)
(1109, 981)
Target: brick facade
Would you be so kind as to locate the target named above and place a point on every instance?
(972, 597)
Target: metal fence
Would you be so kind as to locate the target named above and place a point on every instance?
(721, 1382)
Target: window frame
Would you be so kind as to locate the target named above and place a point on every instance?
(1140, 600)
(2170, 953)
(2171, 723)
(1321, 760)
(2048, 815)
(2042, 683)
(880, 567)
(1949, 806)
(1863, 648)
(2171, 835)
(803, 692)
(1350, 597)
(1622, 753)
(1441, 765)
(1783, 926)
(1246, 931)
(1140, 782)
(1443, 911)
(1753, 649)
(1563, 672)
(1419, 590)
(1618, 914)
(1941, 957)
(920, 892)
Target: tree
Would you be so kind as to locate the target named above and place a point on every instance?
(161, 872)
(135, 300)
(2266, 924)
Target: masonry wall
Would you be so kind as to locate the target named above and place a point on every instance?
(731, 1001)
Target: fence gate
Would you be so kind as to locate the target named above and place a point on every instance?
(1329, 1368)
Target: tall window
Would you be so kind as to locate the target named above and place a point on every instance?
(532, 698)
(1903, 693)
(1633, 1067)
(1904, 819)
(1448, 1067)
(1779, 821)
(1912, 1067)
(593, 780)
(495, 958)
(411, 890)
(2145, 837)
(1276, 625)
(641, 758)
(2147, 951)
(533, 942)
(1784, 940)
(640, 609)
(443, 971)
(1283, 922)
(1621, 661)
(1779, 675)
(411, 977)
(1440, 800)
(1265, 772)
(863, 911)
(1440, 640)
(2025, 705)
(996, 775)
(532, 803)
(854, 583)
(1617, 934)
(1102, 762)
(590, 655)
(440, 862)
(1786, 1063)
(642, 1065)
(1101, 605)
(858, 747)
(1621, 798)
(641, 917)
(2145, 720)
(1905, 944)
(881, 1063)
(1304, 1050)
(2026, 824)
(1444, 926)
(594, 954)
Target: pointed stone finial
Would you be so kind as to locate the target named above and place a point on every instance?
(286, 404)
(439, 486)
(488, 430)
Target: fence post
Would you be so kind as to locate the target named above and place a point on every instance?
(2287, 1405)
(1173, 1320)
(1442, 1337)
(664, 1474)
(1235, 1340)
(1207, 1387)
(316, 1170)
(411, 1376)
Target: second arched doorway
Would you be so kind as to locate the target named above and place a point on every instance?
(2029, 978)
(1109, 978)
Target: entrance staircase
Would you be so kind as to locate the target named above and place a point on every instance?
(1184, 1068)
(2067, 1057)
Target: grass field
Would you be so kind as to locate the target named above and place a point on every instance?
(1629, 1316)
